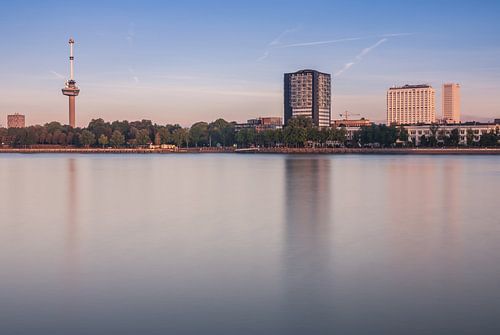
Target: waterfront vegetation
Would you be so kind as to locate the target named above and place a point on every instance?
(299, 132)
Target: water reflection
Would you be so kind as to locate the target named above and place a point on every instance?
(72, 227)
(307, 259)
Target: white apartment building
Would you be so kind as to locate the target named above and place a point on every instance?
(411, 104)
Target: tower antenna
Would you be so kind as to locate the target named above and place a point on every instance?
(70, 89)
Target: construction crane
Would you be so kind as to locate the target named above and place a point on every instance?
(347, 114)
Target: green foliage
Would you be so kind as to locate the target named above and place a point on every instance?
(117, 139)
(103, 140)
(181, 137)
(299, 132)
(221, 132)
(87, 138)
(489, 140)
(142, 137)
(382, 135)
(198, 134)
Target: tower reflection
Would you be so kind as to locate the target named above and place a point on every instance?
(72, 227)
(307, 259)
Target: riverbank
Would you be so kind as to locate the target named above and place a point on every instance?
(338, 151)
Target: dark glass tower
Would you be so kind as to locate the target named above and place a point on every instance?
(308, 93)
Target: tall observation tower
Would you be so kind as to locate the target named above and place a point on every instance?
(71, 90)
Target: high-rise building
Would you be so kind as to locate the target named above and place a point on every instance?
(16, 121)
(308, 93)
(411, 104)
(451, 103)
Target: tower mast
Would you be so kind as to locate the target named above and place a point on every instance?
(70, 89)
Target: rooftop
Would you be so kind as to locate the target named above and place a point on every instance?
(305, 71)
(410, 87)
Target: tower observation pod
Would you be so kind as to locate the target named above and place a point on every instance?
(70, 89)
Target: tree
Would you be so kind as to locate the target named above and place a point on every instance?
(433, 137)
(198, 134)
(103, 140)
(87, 138)
(470, 137)
(221, 132)
(117, 139)
(424, 141)
(99, 127)
(246, 137)
(403, 134)
(181, 136)
(295, 132)
(165, 135)
(489, 139)
(142, 137)
(454, 138)
(157, 138)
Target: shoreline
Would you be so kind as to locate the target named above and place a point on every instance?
(286, 151)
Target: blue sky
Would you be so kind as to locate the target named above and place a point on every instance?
(173, 61)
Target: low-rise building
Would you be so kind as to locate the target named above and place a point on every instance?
(262, 123)
(16, 121)
(352, 123)
(474, 129)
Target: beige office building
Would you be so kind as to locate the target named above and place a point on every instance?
(411, 104)
(451, 103)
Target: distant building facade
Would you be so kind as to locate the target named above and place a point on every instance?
(411, 104)
(415, 132)
(352, 123)
(451, 103)
(308, 93)
(476, 129)
(262, 123)
(16, 121)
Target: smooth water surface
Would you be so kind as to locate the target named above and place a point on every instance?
(249, 244)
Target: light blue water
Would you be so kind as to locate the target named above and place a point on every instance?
(249, 244)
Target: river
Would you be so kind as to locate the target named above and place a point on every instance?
(249, 244)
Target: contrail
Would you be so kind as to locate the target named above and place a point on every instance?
(360, 56)
(278, 39)
(275, 42)
(306, 44)
(264, 56)
(397, 35)
(58, 75)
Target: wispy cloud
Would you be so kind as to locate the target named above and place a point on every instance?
(135, 78)
(264, 56)
(131, 33)
(57, 75)
(276, 42)
(360, 56)
(396, 34)
(278, 39)
(306, 44)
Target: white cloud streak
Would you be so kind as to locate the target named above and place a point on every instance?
(278, 39)
(360, 56)
(276, 42)
(57, 75)
(306, 44)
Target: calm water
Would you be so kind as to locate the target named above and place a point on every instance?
(249, 244)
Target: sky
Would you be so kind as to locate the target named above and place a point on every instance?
(186, 61)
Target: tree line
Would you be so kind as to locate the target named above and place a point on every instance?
(299, 132)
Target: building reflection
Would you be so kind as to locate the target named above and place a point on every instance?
(72, 227)
(307, 258)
